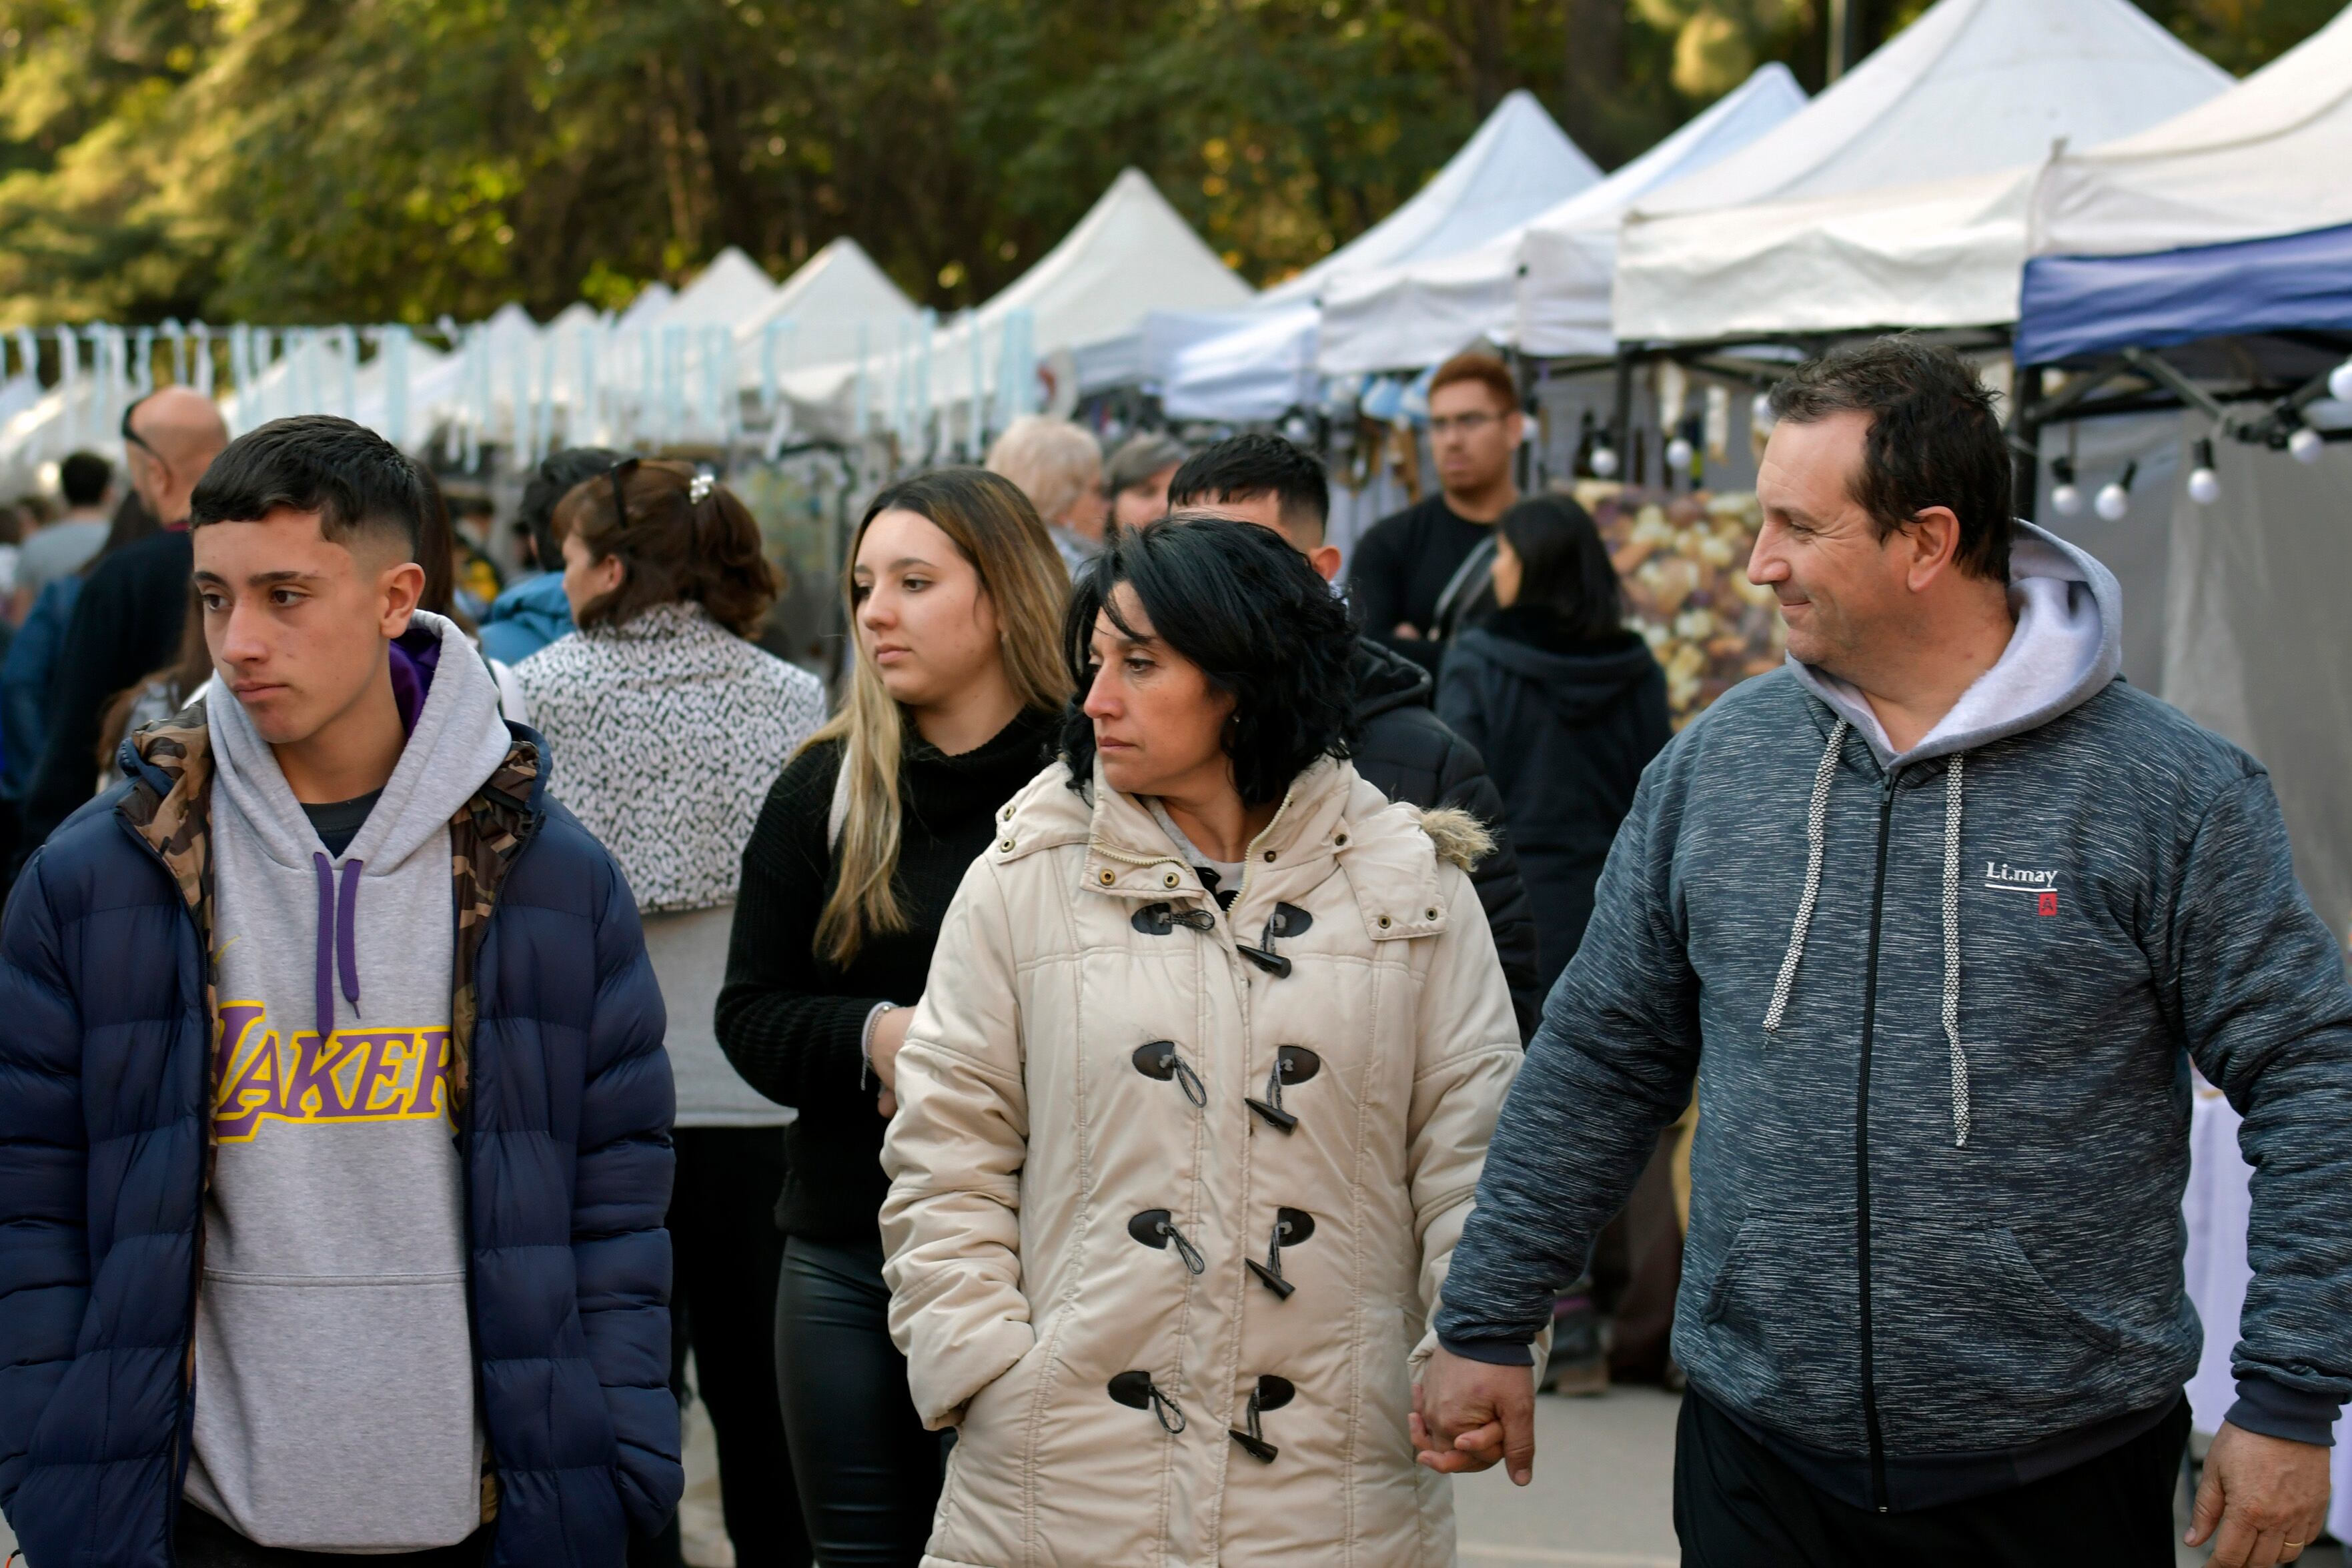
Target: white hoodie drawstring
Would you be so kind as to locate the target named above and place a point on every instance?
(1816, 825)
(1816, 820)
(1952, 952)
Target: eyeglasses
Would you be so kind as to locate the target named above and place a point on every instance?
(132, 437)
(1468, 424)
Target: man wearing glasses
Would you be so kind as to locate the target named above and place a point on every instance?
(1406, 564)
(127, 623)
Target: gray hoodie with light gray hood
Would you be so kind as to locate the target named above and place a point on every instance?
(1940, 1007)
(334, 1386)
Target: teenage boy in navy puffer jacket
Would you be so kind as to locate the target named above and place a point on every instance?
(334, 1118)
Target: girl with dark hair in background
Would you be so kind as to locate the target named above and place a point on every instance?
(1566, 705)
(666, 725)
(1193, 1107)
(955, 596)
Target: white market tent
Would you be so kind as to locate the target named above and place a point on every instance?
(1497, 180)
(1257, 363)
(1130, 256)
(1083, 305)
(316, 375)
(2270, 156)
(818, 315)
(1897, 197)
(1543, 285)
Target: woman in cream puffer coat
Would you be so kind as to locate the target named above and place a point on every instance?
(1174, 1183)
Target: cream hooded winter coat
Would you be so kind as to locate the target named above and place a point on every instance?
(1089, 1171)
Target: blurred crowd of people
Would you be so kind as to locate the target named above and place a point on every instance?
(1039, 1089)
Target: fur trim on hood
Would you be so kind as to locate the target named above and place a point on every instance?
(1457, 836)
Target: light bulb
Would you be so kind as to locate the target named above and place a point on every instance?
(2340, 383)
(2305, 445)
(2067, 499)
(2204, 485)
(1604, 462)
(2112, 502)
(1678, 454)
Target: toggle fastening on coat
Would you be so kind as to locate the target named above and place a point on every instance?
(1173, 1186)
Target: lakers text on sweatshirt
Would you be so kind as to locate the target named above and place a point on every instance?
(332, 1184)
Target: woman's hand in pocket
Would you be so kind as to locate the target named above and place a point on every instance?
(882, 1050)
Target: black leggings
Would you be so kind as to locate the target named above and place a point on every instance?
(726, 1251)
(868, 1474)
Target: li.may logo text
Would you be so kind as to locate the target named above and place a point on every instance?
(2003, 877)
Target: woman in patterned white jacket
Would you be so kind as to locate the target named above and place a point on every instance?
(667, 727)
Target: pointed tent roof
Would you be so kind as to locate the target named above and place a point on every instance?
(1883, 215)
(823, 304)
(1131, 253)
(1515, 165)
(2267, 157)
(648, 308)
(1972, 86)
(1542, 285)
(572, 317)
(732, 289)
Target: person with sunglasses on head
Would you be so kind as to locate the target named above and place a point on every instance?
(1406, 563)
(954, 595)
(335, 1147)
(126, 621)
(666, 727)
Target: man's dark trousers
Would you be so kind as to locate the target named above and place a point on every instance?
(1736, 1505)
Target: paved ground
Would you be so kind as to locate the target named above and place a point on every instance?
(1602, 1496)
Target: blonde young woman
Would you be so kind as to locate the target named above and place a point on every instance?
(955, 594)
(1194, 1103)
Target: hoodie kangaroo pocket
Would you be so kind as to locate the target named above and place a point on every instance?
(1978, 1350)
(337, 1414)
(1774, 1331)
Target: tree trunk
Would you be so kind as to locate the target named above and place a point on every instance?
(1595, 77)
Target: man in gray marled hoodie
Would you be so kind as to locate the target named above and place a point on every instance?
(1937, 919)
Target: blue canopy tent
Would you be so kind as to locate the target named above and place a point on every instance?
(2079, 308)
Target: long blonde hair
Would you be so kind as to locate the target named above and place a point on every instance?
(993, 527)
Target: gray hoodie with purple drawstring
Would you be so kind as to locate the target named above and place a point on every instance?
(334, 1379)
(1940, 1007)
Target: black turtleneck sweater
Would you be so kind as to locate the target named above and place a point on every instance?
(793, 1023)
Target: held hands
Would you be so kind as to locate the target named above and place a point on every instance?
(1467, 1414)
(2267, 1495)
(882, 1049)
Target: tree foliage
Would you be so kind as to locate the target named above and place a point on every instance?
(324, 159)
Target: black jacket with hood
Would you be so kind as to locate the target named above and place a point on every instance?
(1407, 753)
(1571, 725)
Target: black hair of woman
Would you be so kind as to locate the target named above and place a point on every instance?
(1238, 601)
(1564, 569)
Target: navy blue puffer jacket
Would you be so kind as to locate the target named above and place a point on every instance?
(103, 1063)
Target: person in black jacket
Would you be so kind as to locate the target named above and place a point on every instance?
(127, 621)
(956, 600)
(1403, 749)
(1570, 704)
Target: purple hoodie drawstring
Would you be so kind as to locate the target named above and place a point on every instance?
(338, 940)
